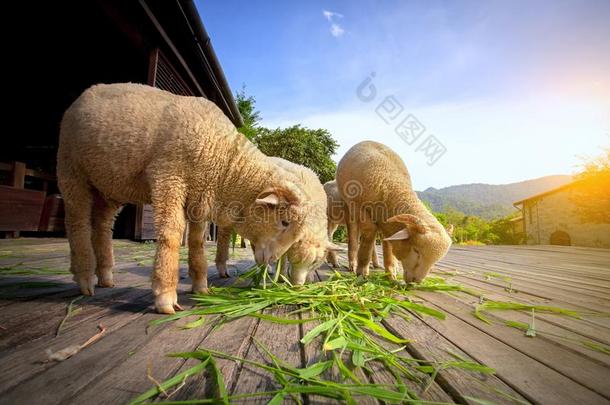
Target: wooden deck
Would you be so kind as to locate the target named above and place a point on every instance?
(555, 367)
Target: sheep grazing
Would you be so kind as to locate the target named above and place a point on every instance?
(131, 143)
(376, 187)
(337, 214)
(308, 252)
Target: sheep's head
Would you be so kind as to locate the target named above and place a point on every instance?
(273, 222)
(308, 253)
(418, 245)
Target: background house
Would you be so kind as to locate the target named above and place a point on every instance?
(63, 48)
(552, 218)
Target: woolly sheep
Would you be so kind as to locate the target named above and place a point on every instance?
(376, 186)
(309, 250)
(337, 214)
(131, 143)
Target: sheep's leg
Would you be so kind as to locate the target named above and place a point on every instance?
(331, 255)
(198, 265)
(168, 207)
(222, 250)
(352, 244)
(285, 263)
(374, 256)
(388, 260)
(78, 205)
(104, 213)
(365, 250)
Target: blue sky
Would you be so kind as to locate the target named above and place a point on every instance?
(512, 89)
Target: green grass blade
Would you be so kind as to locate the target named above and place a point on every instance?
(337, 343)
(315, 369)
(315, 332)
(218, 378)
(177, 379)
(277, 399)
(195, 324)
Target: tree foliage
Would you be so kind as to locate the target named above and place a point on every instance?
(591, 193)
(312, 148)
(471, 229)
(250, 116)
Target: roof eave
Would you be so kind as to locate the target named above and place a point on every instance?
(220, 82)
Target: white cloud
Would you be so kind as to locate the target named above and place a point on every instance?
(336, 30)
(331, 15)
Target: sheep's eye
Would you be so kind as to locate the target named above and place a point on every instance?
(285, 223)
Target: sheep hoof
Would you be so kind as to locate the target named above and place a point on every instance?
(167, 303)
(200, 290)
(390, 273)
(364, 272)
(86, 282)
(200, 287)
(224, 275)
(105, 281)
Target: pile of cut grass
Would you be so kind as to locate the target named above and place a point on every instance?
(350, 331)
(349, 312)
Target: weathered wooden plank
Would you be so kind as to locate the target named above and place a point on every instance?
(129, 379)
(24, 374)
(431, 345)
(576, 366)
(282, 341)
(594, 301)
(32, 320)
(233, 338)
(532, 379)
(597, 319)
(584, 328)
(594, 288)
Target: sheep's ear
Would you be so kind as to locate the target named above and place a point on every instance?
(333, 248)
(275, 196)
(411, 221)
(268, 197)
(449, 229)
(400, 235)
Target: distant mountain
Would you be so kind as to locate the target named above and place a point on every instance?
(489, 201)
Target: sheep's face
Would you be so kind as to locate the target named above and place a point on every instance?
(307, 254)
(273, 222)
(418, 246)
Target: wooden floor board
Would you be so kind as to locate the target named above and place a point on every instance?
(554, 367)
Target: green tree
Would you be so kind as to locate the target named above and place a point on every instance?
(312, 148)
(249, 114)
(504, 230)
(591, 193)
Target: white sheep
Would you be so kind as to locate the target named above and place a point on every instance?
(337, 214)
(308, 251)
(131, 143)
(376, 187)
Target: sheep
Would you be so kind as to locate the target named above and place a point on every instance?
(376, 187)
(310, 249)
(131, 143)
(337, 214)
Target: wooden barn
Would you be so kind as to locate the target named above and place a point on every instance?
(72, 45)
